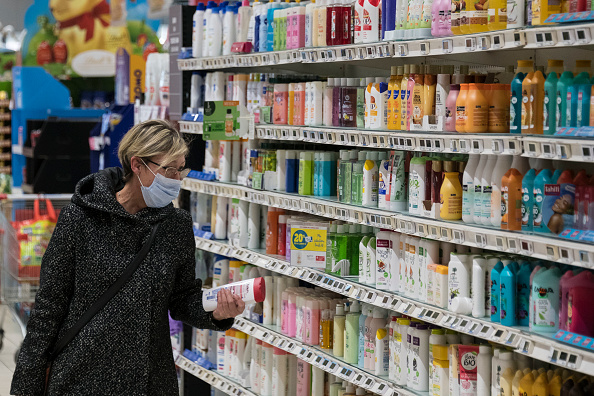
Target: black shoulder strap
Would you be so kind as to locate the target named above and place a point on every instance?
(108, 295)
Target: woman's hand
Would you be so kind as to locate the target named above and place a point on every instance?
(228, 305)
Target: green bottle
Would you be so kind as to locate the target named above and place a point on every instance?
(357, 184)
(354, 238)
(549, 123)
(330, 247)
(342, 259)
(361, 105)
(306, 173)
(563, 102)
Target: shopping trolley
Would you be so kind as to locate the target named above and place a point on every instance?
(26, 225)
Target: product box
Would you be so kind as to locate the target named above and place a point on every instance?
(308, 244)
(221, 120)
(129, 77)
(557, 209)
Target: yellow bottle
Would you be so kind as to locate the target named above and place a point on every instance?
(516, 383)
(527, 119)
(497, 14)
(450, 194)
(506, 382)
(417, 99)
(404, 94)
(394, 96)
(526, 384)
(555, 65)
(583, 66)
(555, 385)
(429, 87)
(541, 386)
(525, 66)
(537, 100)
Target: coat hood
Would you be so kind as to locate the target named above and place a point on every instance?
(98, 192)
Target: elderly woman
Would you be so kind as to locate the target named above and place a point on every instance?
(124, 349)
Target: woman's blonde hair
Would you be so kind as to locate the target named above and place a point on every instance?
(149, 139)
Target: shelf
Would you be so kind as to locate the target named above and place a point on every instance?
(536, 246)
(321, 359)
(519, 339)
(559, 148)
(426, 141)
(555, 36)
(190, 127)
(212, 377)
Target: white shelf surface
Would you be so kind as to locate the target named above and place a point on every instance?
(554, 36)
(533, 245)
(532, 146)
(213, 378)
(536, 346)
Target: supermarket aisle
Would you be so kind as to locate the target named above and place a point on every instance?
(12, 339)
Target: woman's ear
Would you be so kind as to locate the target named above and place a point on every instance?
(136, 164)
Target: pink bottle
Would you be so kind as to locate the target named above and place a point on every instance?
(285, 312)
(299, 28)
(579, 311)
(442, 18)
(303, 378)
(563, 296)
(312, 321)
(292, 316)
(450, 124)
(299, 104)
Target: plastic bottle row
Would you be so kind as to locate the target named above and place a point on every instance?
(156, 82)
(418, 97)
(505, 288)
(408, 352)
(220, 29)
(508, 192)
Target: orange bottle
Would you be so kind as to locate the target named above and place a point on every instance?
(461, 108)
(477, 110)
(499, 108)
(511, 195)
(527, 101)
(537, 96)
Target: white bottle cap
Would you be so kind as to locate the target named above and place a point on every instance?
(341, 229)
(379, 80)
(353, 154)
(369, 80)
(365, 229)
(462, 305)
(352, 82)
(394, 70)
(485, 349)
(355, 307)
(344, 82)
(362, 155)
(326, 156)
(339, 310)
(344, 155)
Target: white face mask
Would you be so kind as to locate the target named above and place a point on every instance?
(161, 192)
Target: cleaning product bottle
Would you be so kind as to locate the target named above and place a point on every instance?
(564, 100)
(528, 200)
(511, 195)
(550, 104)
(468, 188)
(501, 167)
(545, 299)
(508, 284)
(523, 294)
(352, 334)
(496, 292)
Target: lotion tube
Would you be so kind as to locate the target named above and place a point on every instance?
(250, 291)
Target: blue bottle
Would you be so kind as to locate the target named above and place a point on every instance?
(316, 176)
(515, 108)
(544, 177)
(495, 291)
(257, 33)
(528, 200)
(292, 172)
(264, 28)
(270, 27)
(523, 294)
(508, 286)
(327, 174)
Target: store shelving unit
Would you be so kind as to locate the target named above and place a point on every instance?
(496, 48)
(520, 339)
(533, 245)
(212, 378)
(544, 37)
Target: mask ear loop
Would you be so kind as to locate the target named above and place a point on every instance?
(154, 174)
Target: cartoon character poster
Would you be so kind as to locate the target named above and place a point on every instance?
(80, 37)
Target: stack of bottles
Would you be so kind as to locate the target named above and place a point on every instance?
(406, 351)
(156, 82)
(220, 29)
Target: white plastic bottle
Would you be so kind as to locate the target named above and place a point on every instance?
(370, 262)
(459, 277)
(468, 188)
(501, 167)
(431, 256)
(479, 265)
(266, 369)
(370, 180)
(383, 251)
(229, 33)
(415, 266)
(198, 31)
(316, 106)
(225, 161)
(483, 383)
(382, 352)
(485, 217)
(478, 189)
(327, 101)
(358, 21)
(215, 32)
(419, 358)
(206, 32)
(254, 226)
(244, 16)
(394, 262)
(196, 99)
(371, 21)
(280, 384)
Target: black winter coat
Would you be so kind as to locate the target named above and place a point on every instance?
(125, 349)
